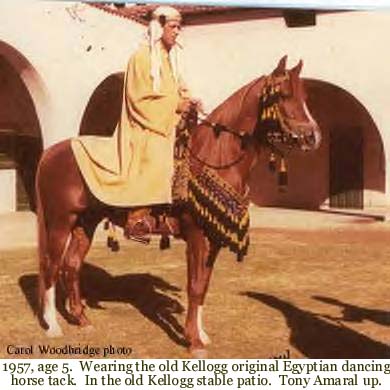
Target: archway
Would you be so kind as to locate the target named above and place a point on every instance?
(349, 163)
(104, 107)
(20, 131)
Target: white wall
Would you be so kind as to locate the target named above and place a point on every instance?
(346, 49)
(55, 37)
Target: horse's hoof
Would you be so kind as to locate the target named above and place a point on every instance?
(84, 322)
(199, 353)
(54, 332)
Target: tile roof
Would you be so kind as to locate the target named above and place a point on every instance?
(192, 14)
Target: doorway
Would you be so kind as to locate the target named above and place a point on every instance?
(346, 167)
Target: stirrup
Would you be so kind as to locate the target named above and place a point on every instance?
(142, 238)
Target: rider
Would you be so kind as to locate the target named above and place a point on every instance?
(134, 167)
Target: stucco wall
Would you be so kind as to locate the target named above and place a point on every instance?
(348, 50)
(72, 47)
(68, 49)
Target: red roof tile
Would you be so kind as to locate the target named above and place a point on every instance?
(192, 14)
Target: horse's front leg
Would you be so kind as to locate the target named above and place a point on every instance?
(200, 261)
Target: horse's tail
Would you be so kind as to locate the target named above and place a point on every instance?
(43, 255)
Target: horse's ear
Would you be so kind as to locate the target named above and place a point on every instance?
(281, 68)
(297, 68)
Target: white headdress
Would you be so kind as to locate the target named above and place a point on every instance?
(161, 15)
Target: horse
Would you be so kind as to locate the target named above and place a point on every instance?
(270, 112)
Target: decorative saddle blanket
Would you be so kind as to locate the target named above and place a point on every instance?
(213, 203)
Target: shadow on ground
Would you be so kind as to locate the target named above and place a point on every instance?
(29, 286)
(145, 292)
(352, 313)
(317, 338)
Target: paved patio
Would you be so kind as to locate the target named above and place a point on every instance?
(313, 284)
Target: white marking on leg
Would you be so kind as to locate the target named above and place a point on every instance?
(50, 313)
(202, 334)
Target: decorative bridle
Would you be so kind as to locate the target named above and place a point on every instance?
(272, 128)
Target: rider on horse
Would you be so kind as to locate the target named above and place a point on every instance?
(135, 166)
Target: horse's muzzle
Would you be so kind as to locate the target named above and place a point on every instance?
(306, 137)
(303, 136)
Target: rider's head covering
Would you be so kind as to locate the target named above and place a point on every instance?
(160, 16)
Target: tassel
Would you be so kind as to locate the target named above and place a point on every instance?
(165, 242)
(272, 162)
(109, 242)
(283, 179)
(274, 114)
(115, 245)
(112, 241)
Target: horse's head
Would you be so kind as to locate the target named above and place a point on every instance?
(284, 119)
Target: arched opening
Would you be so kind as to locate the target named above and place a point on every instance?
(20, 133)
(348, 166)
(104, 107)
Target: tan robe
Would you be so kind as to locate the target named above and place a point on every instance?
(135, 166)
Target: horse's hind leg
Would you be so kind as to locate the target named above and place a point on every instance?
(78, 249)
(57, 244)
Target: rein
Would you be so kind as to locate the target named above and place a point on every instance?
(269, 116)
(218, 129)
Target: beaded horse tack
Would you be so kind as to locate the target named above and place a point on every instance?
(220, 210)
(272, 127)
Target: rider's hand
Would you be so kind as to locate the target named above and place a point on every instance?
(198, 104)
(184, 105)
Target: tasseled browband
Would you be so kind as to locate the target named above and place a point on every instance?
(269, 127)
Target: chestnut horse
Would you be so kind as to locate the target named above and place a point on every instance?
(68, 213)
